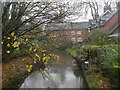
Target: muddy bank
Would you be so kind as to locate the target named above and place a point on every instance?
(14, 72)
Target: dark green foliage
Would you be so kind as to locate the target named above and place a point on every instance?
(99, 37)
(105, 59)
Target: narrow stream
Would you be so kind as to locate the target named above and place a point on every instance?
(65, 76)
(68, 77)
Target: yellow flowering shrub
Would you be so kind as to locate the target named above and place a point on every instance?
(40, 56)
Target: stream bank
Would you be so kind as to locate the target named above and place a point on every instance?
(14, 72)
(64, 75)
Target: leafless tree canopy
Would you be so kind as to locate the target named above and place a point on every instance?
(17, 15)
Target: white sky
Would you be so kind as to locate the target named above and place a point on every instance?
(88, 16)
(80, 19)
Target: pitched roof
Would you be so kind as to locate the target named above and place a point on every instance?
(70, 26)
(82, 25)
(103, 19)
(108, 16)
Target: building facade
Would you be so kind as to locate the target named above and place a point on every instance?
(77, 32)
(109, 21)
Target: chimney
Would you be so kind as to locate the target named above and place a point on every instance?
(107, 7)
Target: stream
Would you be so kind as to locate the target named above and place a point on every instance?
(66, 75)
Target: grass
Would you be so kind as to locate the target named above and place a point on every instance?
(96, 80)
(72, 52)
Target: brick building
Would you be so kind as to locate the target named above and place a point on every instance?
(77, 32)
(109, 20)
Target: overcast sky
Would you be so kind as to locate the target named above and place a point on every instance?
(83, 18)
(88, 16)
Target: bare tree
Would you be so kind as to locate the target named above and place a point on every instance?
(31, 18)
(24, 17)
(118, 5)
(94, 8)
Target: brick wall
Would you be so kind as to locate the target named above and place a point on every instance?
(75, 35)
(113, 20)
(117, 30)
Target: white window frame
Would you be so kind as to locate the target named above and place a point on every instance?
(79, 32)
(79, 39)
(73, 33)
(73, 39)
(67, 32)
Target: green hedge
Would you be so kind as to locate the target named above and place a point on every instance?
(105, 57)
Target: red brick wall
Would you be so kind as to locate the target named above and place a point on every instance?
(63, 36)
(117, 30)
(60, 34)
(111, 22)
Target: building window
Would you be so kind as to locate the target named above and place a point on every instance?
(67, 33)
(73, 39)
(79, 32)
(73, 33)
(79, 39)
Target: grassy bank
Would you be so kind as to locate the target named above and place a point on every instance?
(100, 64)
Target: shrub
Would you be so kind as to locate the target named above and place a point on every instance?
(99, 37)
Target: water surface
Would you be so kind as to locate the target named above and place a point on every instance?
(65, 75)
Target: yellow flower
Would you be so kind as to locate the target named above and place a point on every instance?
(37, 56)
(8, 37)
(43, 72)
(57, 56)
(43, 50)
(30, 49)
(43, 54)
(27, 66)
(30, 66)
(8, 51)
(8, 45)
(34, 61)
(26, 39)
(12, 34)
(16, 44)
(28, 70)
(35, 50)
(15, 38)
(43, 59)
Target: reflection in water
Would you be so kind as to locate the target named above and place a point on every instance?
(68, 77)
